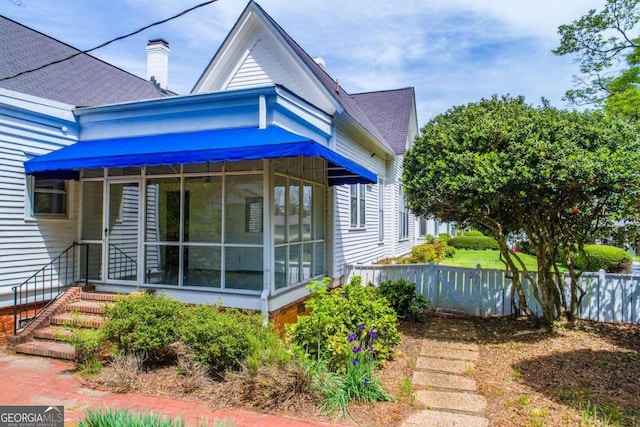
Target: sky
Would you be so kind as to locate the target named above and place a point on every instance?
(451, 51)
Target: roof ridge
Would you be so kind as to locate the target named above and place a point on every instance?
(384, 90)
(320, 72)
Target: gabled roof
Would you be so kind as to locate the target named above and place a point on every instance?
(391, 111)
(81, 81)
(350, 106)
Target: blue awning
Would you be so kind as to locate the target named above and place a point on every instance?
(196, 147)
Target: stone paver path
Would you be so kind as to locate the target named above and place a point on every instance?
(443, 379)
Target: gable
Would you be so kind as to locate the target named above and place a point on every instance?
(253, 56)
(261, 67)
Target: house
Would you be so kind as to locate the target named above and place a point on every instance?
(268, 175)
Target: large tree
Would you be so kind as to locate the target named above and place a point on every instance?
(508, 167)
(606, 44)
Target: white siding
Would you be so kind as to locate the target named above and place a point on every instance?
(262, 67)
(357, 245)
(27, 245)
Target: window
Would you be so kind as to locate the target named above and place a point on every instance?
(299, 223)
(380, 210)
(49, 197)
(358, 206)
(403, 216)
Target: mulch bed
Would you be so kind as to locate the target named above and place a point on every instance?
(528, 376)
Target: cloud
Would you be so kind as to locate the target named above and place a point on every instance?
(451, 51)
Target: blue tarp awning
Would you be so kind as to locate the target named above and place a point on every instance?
(195, 147)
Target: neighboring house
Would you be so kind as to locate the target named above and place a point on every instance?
(268, 175)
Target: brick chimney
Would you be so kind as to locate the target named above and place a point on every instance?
(158, 62)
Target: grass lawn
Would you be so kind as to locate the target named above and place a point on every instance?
(487, 259)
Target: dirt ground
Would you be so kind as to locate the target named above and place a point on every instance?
(585, 374)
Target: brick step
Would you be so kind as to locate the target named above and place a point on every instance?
(77, 320)
(53, 333)
(100, 296)
(88, 306)
(55, 349)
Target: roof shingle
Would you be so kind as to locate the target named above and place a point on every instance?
(391, 111)
(81, 81)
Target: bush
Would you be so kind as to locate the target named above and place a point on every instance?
(144, 323)
(403, 298)
(444, 238)
(473, 233)
(87, 343)
(609, 258)
(223, 340)
(321, 334)
(473, 242)
(428, 252)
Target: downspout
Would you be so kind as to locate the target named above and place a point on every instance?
(264, 305)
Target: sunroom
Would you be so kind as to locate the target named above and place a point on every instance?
(217, 198)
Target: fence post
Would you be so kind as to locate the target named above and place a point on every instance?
(602, 277)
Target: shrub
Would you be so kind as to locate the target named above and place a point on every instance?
(428, 238)
(403, 298)
(473, 233)
(223, 340)
(428, 252)
(144, 323)
(473, 242)
(320, 335)
(87, 343)
(444, 238)
(609, 258)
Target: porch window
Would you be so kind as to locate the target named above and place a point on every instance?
(358, 206)
(298, 222)
(49, 198)
(206, 228)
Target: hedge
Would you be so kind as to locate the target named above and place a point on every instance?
(473, 242)
(609, 258)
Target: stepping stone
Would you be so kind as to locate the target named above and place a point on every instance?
(449, 353)
(460, 367)
(451, 401)
(440, 380)
(444, 419)
(453, 345)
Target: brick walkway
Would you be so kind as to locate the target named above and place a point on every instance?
(30, 380)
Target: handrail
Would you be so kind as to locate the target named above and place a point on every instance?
(121, 264)
(40, 290)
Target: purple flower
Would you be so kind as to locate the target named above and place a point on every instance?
(371, 349)
(357, 349)
(352, 337)
(361, 326)
(373, 334)
(354, 362)
(366, 382)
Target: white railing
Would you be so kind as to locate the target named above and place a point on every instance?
(487, 292)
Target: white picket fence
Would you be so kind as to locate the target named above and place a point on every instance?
(487, 292)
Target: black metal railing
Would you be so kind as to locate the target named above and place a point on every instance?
(36, 293)
(121, 265)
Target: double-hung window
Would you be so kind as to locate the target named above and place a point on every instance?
(358, 206)
(49, 198)
(403, 216)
